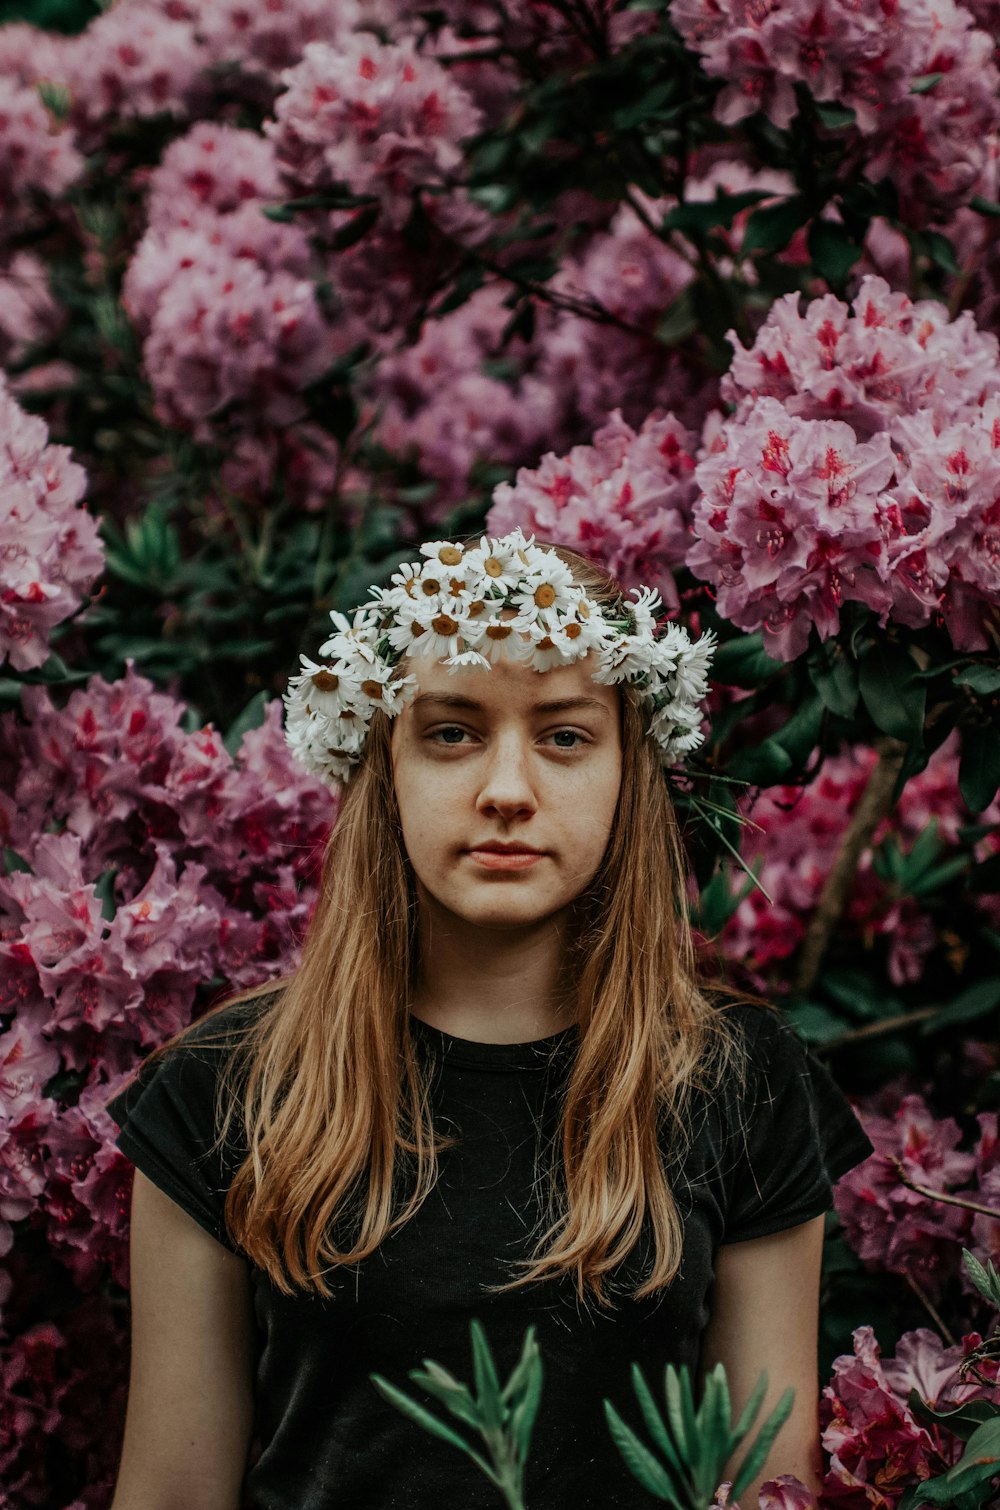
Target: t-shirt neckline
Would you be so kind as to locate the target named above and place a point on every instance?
(534, 1055)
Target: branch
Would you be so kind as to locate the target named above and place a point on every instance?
(875, 804)
(939, 1195)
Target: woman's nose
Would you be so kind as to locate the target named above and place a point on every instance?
(507, 787)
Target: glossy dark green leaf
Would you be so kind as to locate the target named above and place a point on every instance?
(833, 116)
(984, 679)
(961, 1422)
(772, 227)
(835, 677)
(979, 767)
(709, 214)
(978, 1000)
(833, 249)
(743, 662)
(893, 695)
(925, 82)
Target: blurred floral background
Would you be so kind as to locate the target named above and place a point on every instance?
(707, 290)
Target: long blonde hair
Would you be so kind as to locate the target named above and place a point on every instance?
(335, 1101)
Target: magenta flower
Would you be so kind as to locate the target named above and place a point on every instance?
(213, 167)
(50, 552)
(133, 62)
(36, 154)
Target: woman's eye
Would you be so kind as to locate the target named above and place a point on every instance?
(453, 735)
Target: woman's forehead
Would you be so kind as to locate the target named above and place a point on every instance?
(507, 682)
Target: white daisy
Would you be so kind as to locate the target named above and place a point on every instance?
(497, 561)
(320, 689)
(645, 608)
(545, 594)
(447, 554)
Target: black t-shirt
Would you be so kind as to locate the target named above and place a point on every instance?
(324, 1437)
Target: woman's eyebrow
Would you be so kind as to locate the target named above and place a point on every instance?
(553, 705)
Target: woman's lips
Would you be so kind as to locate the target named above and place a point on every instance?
(495, 859)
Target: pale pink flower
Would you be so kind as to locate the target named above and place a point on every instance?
(375, 117)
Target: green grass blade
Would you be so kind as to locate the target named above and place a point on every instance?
(748, 1414)
(487, 1384)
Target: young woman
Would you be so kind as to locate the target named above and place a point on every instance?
(495, 1087)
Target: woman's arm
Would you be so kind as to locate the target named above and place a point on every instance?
(189, 1419)
(765, 1315)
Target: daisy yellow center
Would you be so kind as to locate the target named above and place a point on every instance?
(348, 713)
(325, 681)
(545, 595)
(492, 567)
(583, 609)
(372, 689)
(456, 584)
(450, 555)
(572, 631)
(443, 624)
(545, 643)
(498, 631)
(476, 608)
(431, 586)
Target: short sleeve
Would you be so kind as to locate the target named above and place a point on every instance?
(167, 1129)
(796, 1134)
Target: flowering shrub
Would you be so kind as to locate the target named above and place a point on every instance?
(707, 292)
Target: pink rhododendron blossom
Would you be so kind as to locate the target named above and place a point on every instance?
(624, 500)
(28, 312)
(376, 117)
(877, 1448)
(786, 1492)
(891, 1226)
(273, 36)
(29, 53)
(133, 62)
(859, 464)
(931, 143)
(237, 343)
(213, 167)
(36, 154)
(438, 406)
(209, 243)
(50, 552)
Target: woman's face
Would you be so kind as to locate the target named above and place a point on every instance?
(484, 757)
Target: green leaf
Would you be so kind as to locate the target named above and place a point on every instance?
(104, 891)
(654, 1421)
(978, 1000)
(986, 1281)
(429, 1422)
(12, 861)
(772, 227)
(895, 698)
(835, 677)
(708, 214)
(743, 662)
(978, 1464)
(764, 764)
(522, 1419)
(961, 1422)
(757, 1456)
(487, 1384)
(925, 82)
(639, 1461)
(680, 319)
(450, 1391)
(980, 678)
(749, 1412)
(833, 116)
(985, 206)
(251, 717)
(940, 251)
(833, 250)
(979, 768)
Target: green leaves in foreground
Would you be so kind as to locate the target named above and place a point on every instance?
(695, 1446)
(502, 1417)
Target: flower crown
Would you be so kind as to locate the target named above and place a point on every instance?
(451, 605)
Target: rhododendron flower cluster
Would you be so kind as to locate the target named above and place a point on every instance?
(28, 312)
(132, 62)
(36, 155)
(624, 500)
(151, 861)
(877, 1447)
(436, 403)
(903, 1231)
(378, 118)
(50, 551)
(862, 463)
(792, 843)
(932, 142)
(233, 330)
